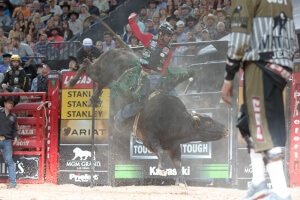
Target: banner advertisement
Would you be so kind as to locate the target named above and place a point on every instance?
(77, 158)
(294, 168)
(27, 167)
(200, 160)
(76, 133)
(80, 131)
(75, 104)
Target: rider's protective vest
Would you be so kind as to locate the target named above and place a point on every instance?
(154, 57)
(17, 78)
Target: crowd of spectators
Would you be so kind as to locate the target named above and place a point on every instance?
(192, 20)
(27, 26)
(43, 21)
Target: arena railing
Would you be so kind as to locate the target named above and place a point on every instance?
(57, 53)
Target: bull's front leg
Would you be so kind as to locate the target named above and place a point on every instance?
(175, 155)
(94, 100)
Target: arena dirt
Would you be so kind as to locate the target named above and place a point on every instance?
(72, 192)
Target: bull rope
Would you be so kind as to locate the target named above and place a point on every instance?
(42, 105)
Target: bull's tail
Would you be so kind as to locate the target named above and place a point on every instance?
(93, 17)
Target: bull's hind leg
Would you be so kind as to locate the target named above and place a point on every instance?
(175, 155)
(155, 146)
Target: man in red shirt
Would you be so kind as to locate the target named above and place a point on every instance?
(55, 37)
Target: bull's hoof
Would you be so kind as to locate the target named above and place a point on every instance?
(180, 182)
(89, 103)
(68, 85)
(182, 185)
(161, 172)
(92, 101)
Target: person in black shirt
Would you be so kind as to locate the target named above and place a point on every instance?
(8, 127)
(88, 50)
(42, 83)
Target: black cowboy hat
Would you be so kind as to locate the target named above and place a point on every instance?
(55, 28)
(73, 58)
(191, 18)
(38, 65)
(3, 99)
(6, 55)
(152, 1)
(73, 13)
(65, 4)
(8, 98)
(172, 17)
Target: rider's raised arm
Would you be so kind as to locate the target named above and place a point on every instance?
(144, 38)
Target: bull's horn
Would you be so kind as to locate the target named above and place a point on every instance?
(88, 19)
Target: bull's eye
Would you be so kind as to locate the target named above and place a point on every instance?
(209, 121)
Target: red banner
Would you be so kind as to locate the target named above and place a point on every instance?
(84, 81)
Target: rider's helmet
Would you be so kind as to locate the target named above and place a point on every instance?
(166, 28)
(15, 57)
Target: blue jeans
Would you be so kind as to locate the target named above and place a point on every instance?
(7, 152)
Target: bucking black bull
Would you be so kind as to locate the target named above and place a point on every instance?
(164, 123)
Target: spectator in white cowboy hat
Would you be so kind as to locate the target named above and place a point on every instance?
(220, 14)
(185, 12)
(210, 23)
